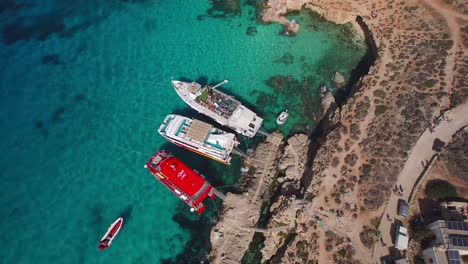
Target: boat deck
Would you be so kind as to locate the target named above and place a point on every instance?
(217, 102)
(199, 130)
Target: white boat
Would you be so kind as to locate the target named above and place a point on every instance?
(199, 137)
(222, 108)
(282, 117)
(111, 233)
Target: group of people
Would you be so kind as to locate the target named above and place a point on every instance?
(436, 121)
(398, 189)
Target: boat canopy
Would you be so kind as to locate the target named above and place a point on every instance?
(194, 87)
(199, 130)
(182, 176)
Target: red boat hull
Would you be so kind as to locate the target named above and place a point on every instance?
(111, 234)
(181, 180)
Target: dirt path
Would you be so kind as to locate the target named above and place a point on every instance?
(450, 17)
(445, 9)
(421, 152)
(276, 140)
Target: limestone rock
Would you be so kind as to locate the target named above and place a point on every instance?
(338, 80)
(284, 215)
(326, 100)
(294, 157)
(231, 236)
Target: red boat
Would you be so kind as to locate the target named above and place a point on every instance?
(184, 182)
(111, 233)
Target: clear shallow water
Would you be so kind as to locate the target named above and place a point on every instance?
(84, 87)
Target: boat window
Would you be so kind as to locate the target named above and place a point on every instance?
(251, 125)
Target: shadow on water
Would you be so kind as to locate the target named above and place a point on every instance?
(363, 66)
(96, 217)
(127, 213)
(203, 80)
(9, 5)
(199, 226)
(51, 59)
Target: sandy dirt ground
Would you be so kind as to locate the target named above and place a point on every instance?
(421, 153)
(422, 54)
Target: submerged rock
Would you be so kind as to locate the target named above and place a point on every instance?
(286, 59)
(223, 8)
(251, 31)
(338, 80)
(326, 100)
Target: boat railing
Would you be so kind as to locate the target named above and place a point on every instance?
(200, 192)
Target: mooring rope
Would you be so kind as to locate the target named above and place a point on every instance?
(226, 186)
(219, 215)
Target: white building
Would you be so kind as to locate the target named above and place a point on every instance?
(401, 239)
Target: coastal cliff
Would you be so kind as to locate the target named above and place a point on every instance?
(418, 74)
(231, 236)
(333, 209)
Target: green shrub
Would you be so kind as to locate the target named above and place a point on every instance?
(418, 230)
(440, 189)
(380, 109)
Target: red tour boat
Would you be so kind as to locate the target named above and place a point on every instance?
(184, 182)
(111, 233)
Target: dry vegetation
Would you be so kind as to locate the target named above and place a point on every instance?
(422, 60)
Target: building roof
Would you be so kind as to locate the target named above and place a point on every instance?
(456, 225)
(404, 209)
(435, 255)
(401, 240)
(453, 256)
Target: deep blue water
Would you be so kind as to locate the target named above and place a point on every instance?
(85, 84)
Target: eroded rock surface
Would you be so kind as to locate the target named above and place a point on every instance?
(422, 61)
(231, 236)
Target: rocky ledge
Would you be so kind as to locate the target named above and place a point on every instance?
(231, 236)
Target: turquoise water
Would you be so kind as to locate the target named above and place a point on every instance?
(84, 86)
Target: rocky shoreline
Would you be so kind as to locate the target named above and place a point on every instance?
(333, 210)
(231, 236)
(234, 232)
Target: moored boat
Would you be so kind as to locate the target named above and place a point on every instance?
(183, 181)
(199, 137)
(282, 117)
(222, 108)
(111, 233)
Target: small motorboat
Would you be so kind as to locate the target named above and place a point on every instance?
(282, 117)
(111, 233)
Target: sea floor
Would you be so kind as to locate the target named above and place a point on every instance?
(84, 86)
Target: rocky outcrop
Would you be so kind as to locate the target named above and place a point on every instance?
(338, 80)
(326, 101)
(294, 158)
(353, 170)
(231, 236)
(228, 240)
(284, 212)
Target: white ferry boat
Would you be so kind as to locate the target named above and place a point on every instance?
(199, 137)
(222, 108)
